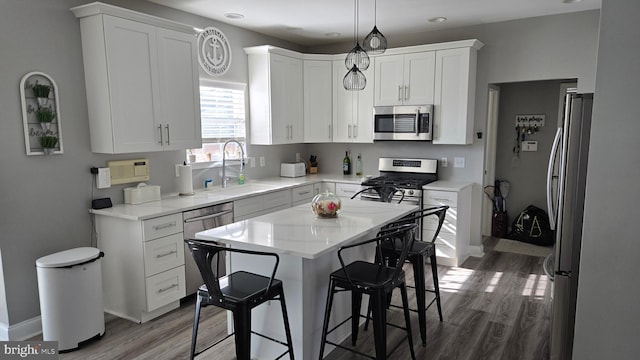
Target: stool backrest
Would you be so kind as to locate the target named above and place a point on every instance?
(204, 252)
(385, 192)
(402, 235)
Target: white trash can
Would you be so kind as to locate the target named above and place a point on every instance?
(70, 288)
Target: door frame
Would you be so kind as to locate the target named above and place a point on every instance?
(493, 102)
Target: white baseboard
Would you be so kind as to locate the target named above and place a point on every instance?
(21, 331)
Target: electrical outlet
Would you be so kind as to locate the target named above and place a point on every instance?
(262, 162)
(458, 162)
(252, 162)
(298, 157)
(444, 162)
(103, 178)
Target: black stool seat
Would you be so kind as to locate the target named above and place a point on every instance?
(238, 292)
(377, 280)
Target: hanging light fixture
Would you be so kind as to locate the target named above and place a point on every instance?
(357, 56)
(375, 42)
(354, 80)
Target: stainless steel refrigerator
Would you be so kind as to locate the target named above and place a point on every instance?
(566, 182)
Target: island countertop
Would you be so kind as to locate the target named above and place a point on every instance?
(298, 231)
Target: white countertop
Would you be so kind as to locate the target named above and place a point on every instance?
(173, 203)
(297, 231)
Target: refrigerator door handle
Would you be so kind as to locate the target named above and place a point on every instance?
(550, 201)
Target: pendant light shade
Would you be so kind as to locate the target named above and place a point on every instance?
(358, 57)
(375, 42)
(354, 80)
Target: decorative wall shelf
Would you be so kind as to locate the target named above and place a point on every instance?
(40, 114)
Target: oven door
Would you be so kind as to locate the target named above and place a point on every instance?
(402, 123)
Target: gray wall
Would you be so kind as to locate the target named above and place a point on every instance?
(528, 173)
(608, 318)
(41, 216)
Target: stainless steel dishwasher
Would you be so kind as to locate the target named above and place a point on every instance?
(199, 220)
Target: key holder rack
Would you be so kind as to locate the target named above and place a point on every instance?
(40, 114)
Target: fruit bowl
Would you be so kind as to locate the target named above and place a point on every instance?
(325, 205)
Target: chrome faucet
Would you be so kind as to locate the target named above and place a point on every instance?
(225, 178)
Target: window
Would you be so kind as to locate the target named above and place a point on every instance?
(222, 110)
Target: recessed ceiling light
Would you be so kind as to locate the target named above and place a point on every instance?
(234, 16)
(438, 19)
(332, 34)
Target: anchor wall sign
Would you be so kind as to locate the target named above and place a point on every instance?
(214, 51)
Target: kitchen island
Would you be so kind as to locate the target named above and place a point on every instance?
(307, 246)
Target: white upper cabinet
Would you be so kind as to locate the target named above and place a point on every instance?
(454, 101)
(275, 95)
(352, 110)
(405, 79)
(141, 77)
(318, 93)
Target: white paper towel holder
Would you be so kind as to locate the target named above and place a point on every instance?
(185, 184)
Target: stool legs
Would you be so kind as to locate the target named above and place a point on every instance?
(327, 313)
(196, 320)
(379, 300)
(421, 299)
(407, 320)
(242, 327)
(436, 286)
(287, 329)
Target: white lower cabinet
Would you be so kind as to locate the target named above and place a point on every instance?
(143, 268)
(324, 187)
(452, 243)
(261, 204)
(301, 195)
(347, 190)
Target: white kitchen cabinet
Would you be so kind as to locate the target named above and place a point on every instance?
(323, 187)
(452, 243)
(405, 79)
(143, 272)
(275, 95)
(352, 110)
(347, 190)
(301, 195)
(318, 98)
(261, 204)
(454, 100)
(141, 76)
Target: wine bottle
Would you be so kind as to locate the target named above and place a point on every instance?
(346, 164)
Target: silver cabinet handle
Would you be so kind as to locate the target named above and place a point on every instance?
(166, 254)
(399, 92)
(329, 131)
(304, 192)
(406, 92)
(168, 136)
(355, 131)
(160, 130)
(349, 132)
(160, 291)
(164, 226)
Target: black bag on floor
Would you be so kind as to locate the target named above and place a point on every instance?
(532, 226)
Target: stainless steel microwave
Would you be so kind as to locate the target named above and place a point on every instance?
(403, 122)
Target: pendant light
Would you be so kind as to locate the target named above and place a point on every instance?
(357, 56)
(354, 80)
(375, 42)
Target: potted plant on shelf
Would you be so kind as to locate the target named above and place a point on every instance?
(41, 92)
(45, 116)
(48, 143)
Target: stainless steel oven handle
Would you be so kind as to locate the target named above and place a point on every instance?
(210, 216)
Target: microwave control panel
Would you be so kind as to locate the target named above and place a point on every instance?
(128, 171)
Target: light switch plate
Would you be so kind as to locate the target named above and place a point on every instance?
(104, 178)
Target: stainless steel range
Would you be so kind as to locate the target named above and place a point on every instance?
(409, 175)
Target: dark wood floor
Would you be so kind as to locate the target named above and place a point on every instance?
(495, 307)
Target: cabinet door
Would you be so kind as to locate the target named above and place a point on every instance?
(294, 100)
(132, 64)
(389, 83)
(454, 96)
(345, 105)
(419, 77)
(324, 187)
(362, 129)
(279, 119)
(318, 95)
(179, 90)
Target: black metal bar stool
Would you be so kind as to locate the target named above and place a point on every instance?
(376, 280)
(238, 292)
(385, 192)
(417, 254)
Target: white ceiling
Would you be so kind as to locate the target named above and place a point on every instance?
(307, 22)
